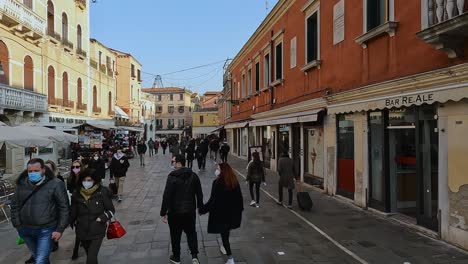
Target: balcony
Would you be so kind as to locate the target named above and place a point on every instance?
(96, 110)
(102, 68)
(93, 64)
(447, 23)
(82, 107)
(68, 104)
(67, 45)
(22, 19)
(21, 99)
(111, 113)
(81, 53)
(54, 36)
(54, 102)
(81, 4)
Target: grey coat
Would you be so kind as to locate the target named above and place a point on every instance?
(287, 172)
(48, 207)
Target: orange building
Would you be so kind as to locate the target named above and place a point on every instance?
(368, 97)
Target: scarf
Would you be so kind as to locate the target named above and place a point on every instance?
(89, 192)
(118, 157)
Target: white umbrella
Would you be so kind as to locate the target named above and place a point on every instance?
(16, 137)
(49, 133)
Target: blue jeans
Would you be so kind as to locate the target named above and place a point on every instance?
(39, 242)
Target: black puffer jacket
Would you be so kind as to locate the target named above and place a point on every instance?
(183, 193)
(99, 167)
(119, 166)
(48, 207)
(84, 214)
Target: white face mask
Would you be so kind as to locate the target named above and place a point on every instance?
(87, 184)
(96, 158)
(217, 172)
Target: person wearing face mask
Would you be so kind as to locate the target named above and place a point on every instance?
(39, 209)
(118, 170)
(225, 207)
(91, 208)
(98, 165)
(72, 180)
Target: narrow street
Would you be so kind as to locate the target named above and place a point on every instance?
(333, 232)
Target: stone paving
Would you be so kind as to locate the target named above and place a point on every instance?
(265, 231)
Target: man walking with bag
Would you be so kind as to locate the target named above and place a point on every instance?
(39, 209)
(182, 196)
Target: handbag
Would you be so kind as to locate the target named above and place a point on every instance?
(113, 186)
(115, 229)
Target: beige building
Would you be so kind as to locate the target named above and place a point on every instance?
(173, 111)
(148, 110)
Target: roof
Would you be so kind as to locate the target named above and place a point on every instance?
(213, 93)
(121, 53)
(164, 90)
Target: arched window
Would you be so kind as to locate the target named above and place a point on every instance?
(65, 89)
(28, 73)
(4, 61)
(50, 17)
(51, 84)
(79, 91)
(95, 98)
(28, 3)
(64, 27)
(79, 38)
(110, 102)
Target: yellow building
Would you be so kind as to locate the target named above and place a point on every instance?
(205, 121)
(129, 81)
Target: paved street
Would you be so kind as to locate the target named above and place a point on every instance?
(333, 232)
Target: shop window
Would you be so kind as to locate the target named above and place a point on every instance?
(377, 13)
(314, 152)
(312, 38)
(28, 73)
(279, 61)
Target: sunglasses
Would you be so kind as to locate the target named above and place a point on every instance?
(76, 167)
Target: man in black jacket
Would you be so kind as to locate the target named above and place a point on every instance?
(182, 196)
(39, 209)
(142, 151)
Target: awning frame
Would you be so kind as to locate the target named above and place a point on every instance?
(301, 117)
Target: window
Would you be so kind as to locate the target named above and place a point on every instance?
(181, 97)
(293, 53)
(181, 123)
(171, 97)
(28, 4)
(170, 109)
(181, 109)
(243, 86)
(109, 109)
(158, 109)
(377, 13)
(249, 82)
(50, 18)
(201, 119)
(257, 76)
(79, 38)
(64, 27)
(279, 61)
(50, 84)
(95, 98)
(100, 58)
(28, 73)
(133, 71)
(170, 123)
(131, 93)
(159, 98)
(108, 62)
(79, 92)
(65, 89)
(312, 38)
(139, 75)
(266, 70)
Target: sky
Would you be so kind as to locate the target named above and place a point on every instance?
(167, 36)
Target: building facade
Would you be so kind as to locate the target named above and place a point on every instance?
(148, 110)
(173, 110)
(205, 122)
(367, 98)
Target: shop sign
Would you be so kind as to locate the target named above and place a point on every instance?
(63, 120)
(283, 128)
(410, 100)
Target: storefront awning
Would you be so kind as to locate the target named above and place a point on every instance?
(428, 96)
(203, 130)
(217, 129)
(120, 113)
(301, 117)
(133, 129)
(169, 132)
(236, 125)
(99, 126)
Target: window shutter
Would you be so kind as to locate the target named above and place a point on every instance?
(293, 53)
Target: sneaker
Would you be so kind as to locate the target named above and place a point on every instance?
(195, 261)
(290, 207)
(120, 199)
(253, 203)
(31, 260)
(174, 260)
(257, 205)
(222, 249)
(230, 261)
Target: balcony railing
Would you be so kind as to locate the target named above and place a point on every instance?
(81, 106)
(21, 99)
(81, 4)
(81, 53)
(55, 36)
(93, 63)
(18, 13)
(67, 44)
(68, 104)
(96, 110)
(102, 68)
(443, 10)
(111, 113)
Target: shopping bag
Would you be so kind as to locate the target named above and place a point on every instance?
(113, 186)
(19, 241)
(115, 230)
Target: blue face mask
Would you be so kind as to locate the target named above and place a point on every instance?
(34, 177)
(172, 167)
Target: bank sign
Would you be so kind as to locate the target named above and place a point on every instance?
(416, 99)
(63, 120)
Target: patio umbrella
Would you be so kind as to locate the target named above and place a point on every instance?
(17, 137)
(49, 133)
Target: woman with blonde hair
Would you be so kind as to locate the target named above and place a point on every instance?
(225, 207)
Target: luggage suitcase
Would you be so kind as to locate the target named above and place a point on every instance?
(113, 187)
(304, 200)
